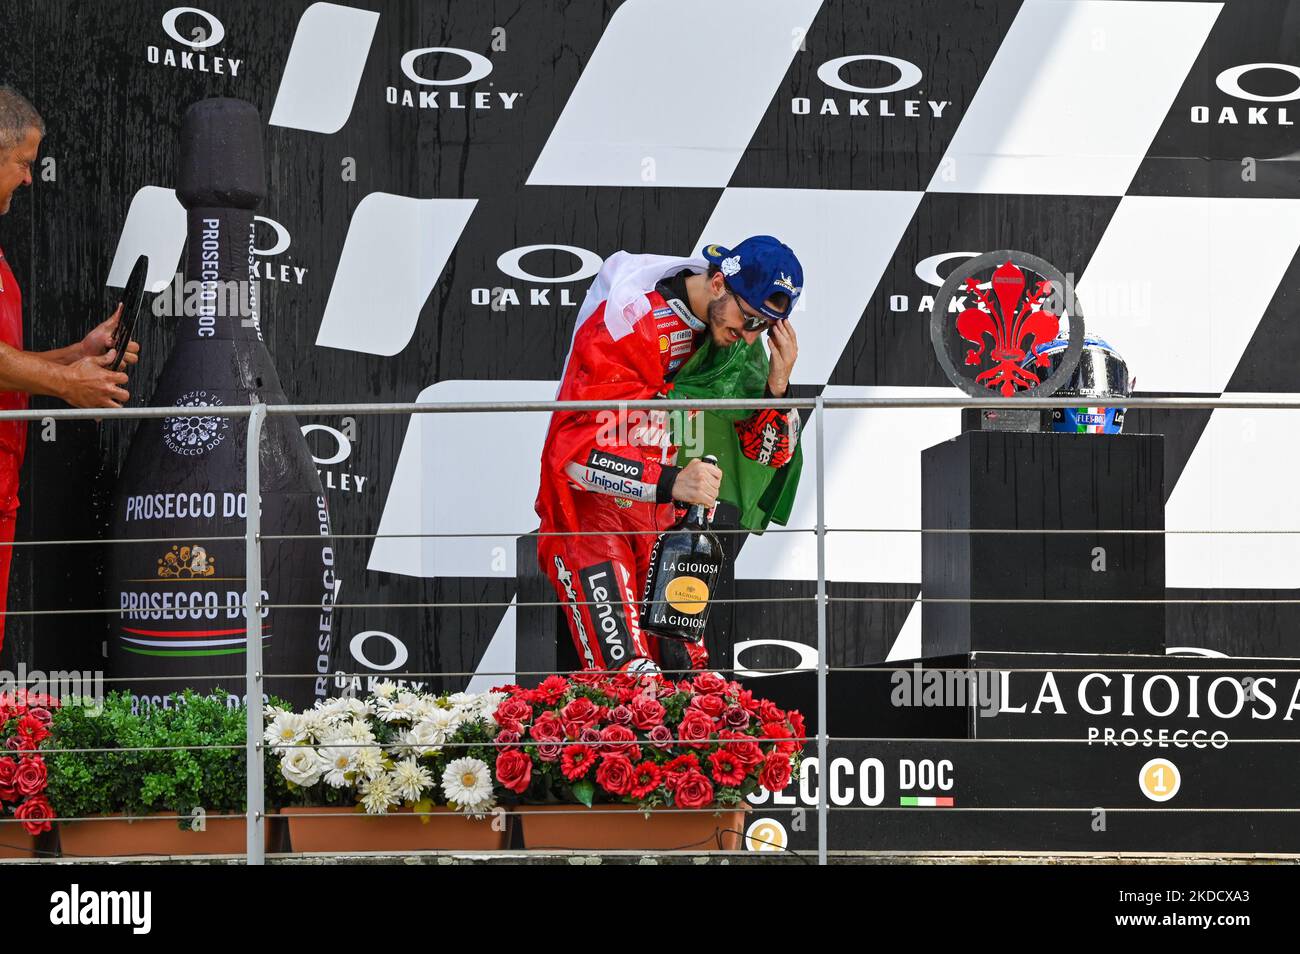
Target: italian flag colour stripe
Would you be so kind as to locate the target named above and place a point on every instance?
(925, 801)
(178, 652)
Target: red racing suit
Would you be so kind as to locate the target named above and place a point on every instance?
(13, 434)
(609, 475)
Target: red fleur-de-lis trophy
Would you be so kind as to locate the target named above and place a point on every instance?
(989, 319)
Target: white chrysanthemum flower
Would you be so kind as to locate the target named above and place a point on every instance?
(410, 779)
(328, 732)
(339, 762)
(357, 708)
(334, 711)
(400, 709)
(468, 783)
(314, 723)
(336, 733)
(270, 713)
(286, 729)
(461, 699)
(384, 689)
(424, 706)
(424, 738)
(411, 746)
(302, 766)
(378, 795)
(369, 762)
(445, 720)
(329, 707)
(359, 732)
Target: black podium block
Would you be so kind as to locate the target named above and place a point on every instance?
(537, 627)
(991, 480)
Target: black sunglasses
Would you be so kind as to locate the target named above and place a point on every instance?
(752, 322)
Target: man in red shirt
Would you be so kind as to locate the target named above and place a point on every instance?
(78, 374)
(609, 482)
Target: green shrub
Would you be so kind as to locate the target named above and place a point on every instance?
(173, 781)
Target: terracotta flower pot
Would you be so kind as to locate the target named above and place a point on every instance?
(343, 828)
(626, 828)
(113, 836)
(15, 842)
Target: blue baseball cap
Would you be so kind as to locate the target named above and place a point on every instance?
(758, 267)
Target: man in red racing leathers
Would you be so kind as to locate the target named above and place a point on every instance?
(610, 476)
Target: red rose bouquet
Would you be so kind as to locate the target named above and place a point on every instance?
(643, 740)
(24, 724)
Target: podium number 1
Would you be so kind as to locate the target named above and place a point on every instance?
(1160, 780)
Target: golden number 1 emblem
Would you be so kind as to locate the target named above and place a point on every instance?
(1160, 780)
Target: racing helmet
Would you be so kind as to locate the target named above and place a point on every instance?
(1100, 380)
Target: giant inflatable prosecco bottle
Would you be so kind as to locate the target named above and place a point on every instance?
(182, 602)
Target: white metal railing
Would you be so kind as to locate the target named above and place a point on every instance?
(253, 537)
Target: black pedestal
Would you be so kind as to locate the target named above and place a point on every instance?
(987, 480)
(540, 633)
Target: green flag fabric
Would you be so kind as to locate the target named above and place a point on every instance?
(763, 494)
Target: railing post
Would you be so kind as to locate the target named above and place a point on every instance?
(256, 842)
(823, 772)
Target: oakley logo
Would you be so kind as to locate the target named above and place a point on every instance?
(909, 74)
(357, 647)
(1230, 82)
(270, 271)
(344, 446)
(477, 67)
(831, 73)
(588, 264)
(511, 263)
(928, 271)
(200, 38)
(331, 479)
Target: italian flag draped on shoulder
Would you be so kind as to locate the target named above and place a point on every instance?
(763, 494)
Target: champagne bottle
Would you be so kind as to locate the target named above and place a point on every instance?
(184, 617)
(684, 568)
